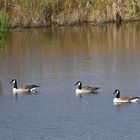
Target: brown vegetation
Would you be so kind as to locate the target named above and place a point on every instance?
(36, 13)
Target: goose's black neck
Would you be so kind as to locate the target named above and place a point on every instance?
(118, 94)
(15, 84)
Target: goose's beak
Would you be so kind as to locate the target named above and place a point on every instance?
(10, 82)
(114, 92)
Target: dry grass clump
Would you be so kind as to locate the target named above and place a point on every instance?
(29, 13)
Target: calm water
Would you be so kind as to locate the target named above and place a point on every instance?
(56, 58)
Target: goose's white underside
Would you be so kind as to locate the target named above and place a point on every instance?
(21, 90)
(80, 92)
(119, 100)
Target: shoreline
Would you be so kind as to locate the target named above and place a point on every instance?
(19, 27)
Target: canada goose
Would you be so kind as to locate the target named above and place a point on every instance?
(125, 99)
(23, 89)
(85, 90)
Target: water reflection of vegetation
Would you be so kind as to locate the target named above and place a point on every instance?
(3, 38)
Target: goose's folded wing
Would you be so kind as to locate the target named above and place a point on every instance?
(129, 98)
(29, 86)
(92, 89)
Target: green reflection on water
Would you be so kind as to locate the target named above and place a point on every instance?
(4, 37)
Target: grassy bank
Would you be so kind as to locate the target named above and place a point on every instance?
(36, 13)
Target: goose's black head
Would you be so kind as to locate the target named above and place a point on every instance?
(79, 84)
(14, 81)
(117, 92)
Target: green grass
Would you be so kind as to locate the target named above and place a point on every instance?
(5, 28)
(4, 22)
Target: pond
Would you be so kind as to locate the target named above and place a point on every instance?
(55, 59)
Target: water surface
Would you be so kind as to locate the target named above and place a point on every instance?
(55, 59)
